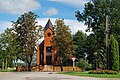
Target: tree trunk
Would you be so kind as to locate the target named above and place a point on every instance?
(29, 61)
(61, 66)
(29, 66)
(6, 63)
(15, 62)
(3, 65)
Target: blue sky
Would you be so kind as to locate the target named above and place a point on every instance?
(10, 10)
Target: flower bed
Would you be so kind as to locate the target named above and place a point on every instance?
(102, 72)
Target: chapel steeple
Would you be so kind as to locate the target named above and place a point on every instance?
(48, 25)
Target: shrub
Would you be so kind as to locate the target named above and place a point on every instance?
(96, 72)
(83, 64)
(102, 72)
(110, 72)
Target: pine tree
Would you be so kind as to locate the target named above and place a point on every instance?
(114, 54)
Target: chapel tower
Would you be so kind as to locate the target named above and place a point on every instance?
(45, 56)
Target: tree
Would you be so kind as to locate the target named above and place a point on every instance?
(79, 40)
(62, 41)
(27, 32)
(96, 53)
(94, 14)
(114, 54)
(3, 49)
(7, 50)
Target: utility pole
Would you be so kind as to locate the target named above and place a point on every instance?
(107, 52)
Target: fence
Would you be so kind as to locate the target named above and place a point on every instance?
(49, 68)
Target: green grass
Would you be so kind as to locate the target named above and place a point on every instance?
(92, 75)
(8, 70)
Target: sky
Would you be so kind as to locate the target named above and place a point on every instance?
(10, 10)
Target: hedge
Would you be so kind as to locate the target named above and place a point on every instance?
(102, 72)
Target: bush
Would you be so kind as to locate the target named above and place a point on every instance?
(96, 72)
(102, 72)
(83, 64)
(110, 72)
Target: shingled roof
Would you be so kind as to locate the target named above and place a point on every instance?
(48, 25)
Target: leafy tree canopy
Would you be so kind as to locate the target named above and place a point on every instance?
(62, 40)
(79, 40)
(94, 16)
(27, 32)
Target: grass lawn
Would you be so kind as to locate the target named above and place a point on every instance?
(92, 75)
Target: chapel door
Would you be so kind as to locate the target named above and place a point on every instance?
(48, 55)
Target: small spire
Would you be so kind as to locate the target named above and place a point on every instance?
(49, 20)
(48, 25)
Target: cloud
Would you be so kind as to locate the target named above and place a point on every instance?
(51, 11)
(4, 25)
(18, 6)
(76, 3)
(74, 25)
